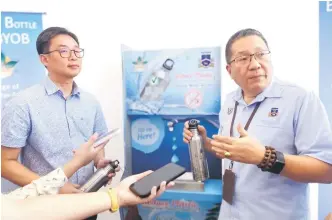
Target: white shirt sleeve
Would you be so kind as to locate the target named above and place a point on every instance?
(49, 184)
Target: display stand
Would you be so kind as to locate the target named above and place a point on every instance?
(163, 90)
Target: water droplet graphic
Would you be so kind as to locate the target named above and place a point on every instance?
(174, 159)
(174, 147)
(174, 138)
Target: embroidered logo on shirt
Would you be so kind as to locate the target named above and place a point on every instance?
(273, 112)
(229, 111)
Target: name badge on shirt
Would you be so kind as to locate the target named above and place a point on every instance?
(228, 186)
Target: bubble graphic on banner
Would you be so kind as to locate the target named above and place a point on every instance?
(175, 158)
(147, 134)
(174, 147)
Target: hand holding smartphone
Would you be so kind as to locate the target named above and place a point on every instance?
(168, 173)
(106, 137)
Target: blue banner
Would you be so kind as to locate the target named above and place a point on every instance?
(20, 65)
(179, 204)
(173, 82)
(159, 140)
(325, 89)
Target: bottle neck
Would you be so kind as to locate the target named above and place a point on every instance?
(108, 167)
(165, 70)
(194, 131)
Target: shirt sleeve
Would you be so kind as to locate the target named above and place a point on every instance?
(313, 136)
(49, 184)
(100, 124)
(15, 123)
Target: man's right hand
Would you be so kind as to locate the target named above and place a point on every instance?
(69, 188)
(86, 152)
(187, 135)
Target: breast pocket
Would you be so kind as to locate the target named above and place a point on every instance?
(275, 132)
(84, 122)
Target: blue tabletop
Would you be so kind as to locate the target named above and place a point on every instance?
(212, 193)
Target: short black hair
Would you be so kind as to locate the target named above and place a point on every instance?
(240, 34)
(45, 37)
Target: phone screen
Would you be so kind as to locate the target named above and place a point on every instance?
(166, 173)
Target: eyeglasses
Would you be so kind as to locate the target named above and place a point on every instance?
(244, 60)
(66, 53)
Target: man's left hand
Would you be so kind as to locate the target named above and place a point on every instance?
(244, 149)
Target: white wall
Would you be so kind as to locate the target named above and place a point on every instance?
(291, 29)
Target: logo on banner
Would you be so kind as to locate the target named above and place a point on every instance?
(193, 98)
(273, 112)
(206, 60)
(230, 110)
(7, 66)
(139, 64)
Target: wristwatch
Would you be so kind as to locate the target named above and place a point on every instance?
(279, 164)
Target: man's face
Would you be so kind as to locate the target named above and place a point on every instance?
(252, 73)
(63, 61)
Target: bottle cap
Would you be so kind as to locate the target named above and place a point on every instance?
(168, 64)
(115, 164)
(193, 124)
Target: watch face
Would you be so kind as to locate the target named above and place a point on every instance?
(279, 164)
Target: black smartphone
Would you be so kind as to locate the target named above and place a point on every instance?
(168, 173)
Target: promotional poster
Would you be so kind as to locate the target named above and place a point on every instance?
(181, 205)
(20, 65)
(163, 90)
(172, 82)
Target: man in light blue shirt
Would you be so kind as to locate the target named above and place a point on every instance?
(275, 138)
(46, 122)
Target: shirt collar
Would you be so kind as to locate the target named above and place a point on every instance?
(272, 91)
(51, 88)
(76, 89)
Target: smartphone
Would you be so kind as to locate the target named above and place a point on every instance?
(106, 137)
(168, 173)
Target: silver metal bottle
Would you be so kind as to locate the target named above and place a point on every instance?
(100, 177)
(199, 165)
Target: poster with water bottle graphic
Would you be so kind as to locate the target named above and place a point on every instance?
(163, 90)
(325, 89)
(173, 82)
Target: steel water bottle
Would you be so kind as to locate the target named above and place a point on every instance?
(100, 177)
(198, 160)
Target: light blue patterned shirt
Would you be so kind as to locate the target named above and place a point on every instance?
(48, 127)
(298, 125)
